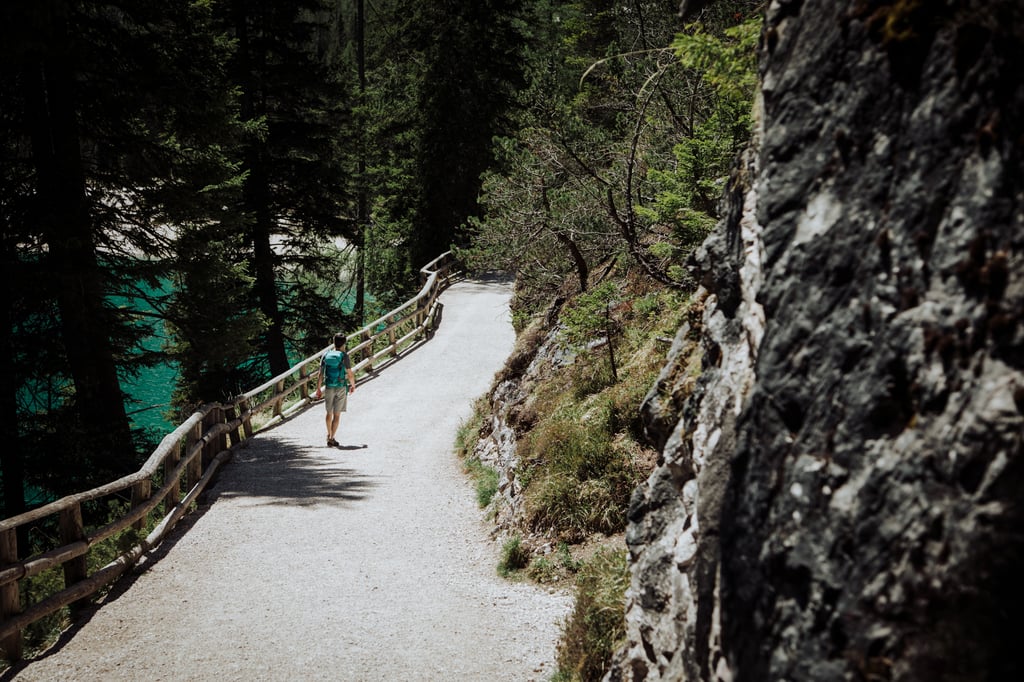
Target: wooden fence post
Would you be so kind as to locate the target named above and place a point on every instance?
(243, 407)
(423, 315)
(209, 447)
(72, 529)
(194, 469)
(304, 383)
(10, 603)
(222, 439)
(279, 398)
(174, 492)
(368, 351)
(140, 495)
(391, 342)
(435, 317)
(230, 414)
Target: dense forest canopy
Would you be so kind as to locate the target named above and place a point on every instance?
(247, 179)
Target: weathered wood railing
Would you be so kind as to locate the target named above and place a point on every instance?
(184, 461)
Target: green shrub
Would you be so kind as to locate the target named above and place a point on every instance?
(590, 375)
(648, 307)
(514, 557)
(33, 590)
(542, 570)
(486, 479)
(587, 317)
(566, 559)
(597, 625)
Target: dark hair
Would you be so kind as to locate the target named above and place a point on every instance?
(340, 340)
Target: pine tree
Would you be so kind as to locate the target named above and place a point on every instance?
(391, 129)
(295, 104)
(473, 54)
(110, 129)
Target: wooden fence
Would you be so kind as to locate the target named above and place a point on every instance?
(167, 485)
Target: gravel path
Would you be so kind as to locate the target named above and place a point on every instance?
(369, 562)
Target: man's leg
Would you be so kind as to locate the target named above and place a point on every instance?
(332, 424)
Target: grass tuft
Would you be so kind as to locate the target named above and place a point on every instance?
(514, 557)
(597, 625)
(486, 479)
(466, 439)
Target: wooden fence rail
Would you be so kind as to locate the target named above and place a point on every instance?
(185, 460)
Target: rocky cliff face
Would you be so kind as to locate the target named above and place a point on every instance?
(537, 355)
(840, 497)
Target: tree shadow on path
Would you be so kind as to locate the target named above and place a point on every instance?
(277, 470)
(270, 469)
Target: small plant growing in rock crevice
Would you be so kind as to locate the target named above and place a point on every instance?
(486, 479)
(543, 570)
(555, 567)
(515, 556)
(466, 439)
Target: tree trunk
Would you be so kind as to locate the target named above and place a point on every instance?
(363, 211)
(257, 198)
(266, 278)
(66, 226)
(582, 270)
(12, 465)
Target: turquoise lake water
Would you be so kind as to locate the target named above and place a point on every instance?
(150, 392)
(151, 395)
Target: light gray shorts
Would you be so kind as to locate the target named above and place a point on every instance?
(336, 399)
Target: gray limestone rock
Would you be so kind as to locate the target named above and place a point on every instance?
(840, 495)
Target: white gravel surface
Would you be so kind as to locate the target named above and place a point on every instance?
(368, 562)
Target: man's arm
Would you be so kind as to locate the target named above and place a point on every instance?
(349, 376)
(320, 378)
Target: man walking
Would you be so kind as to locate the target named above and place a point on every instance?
(336, 382)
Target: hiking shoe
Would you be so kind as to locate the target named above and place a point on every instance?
(333, 443)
